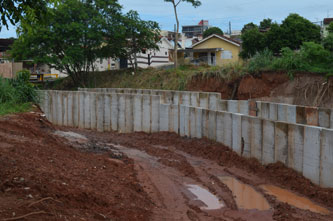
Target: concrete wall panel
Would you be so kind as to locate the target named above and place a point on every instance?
(237, 132)
(212, 125)
(326, 173)
(100, 99)
(295, 147)
(115, 112)
(107, 112)
(311, 160)
(198, 122)
(246, 137)
(256, 138)
(281, 142)
(164, 117)
(137, 113)
(268, 142)
(155, 118)
(146, 114)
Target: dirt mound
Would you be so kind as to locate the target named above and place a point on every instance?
(42, 177)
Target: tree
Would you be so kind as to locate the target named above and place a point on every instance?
(274, 38)
(328, 42)
(330, 28)
(141, 35)
(265, 24)
(175, 3)
(297, 30)
(249, 26)
(212, 30)
(73, 35)
(11, 11)
(253, 42)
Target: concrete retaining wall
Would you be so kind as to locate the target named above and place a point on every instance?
(312, 116)
(306, 149)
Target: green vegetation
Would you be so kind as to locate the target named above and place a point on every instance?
(153, 78)
(212, 30)
(293, 31)
(12, 10)
(17, 95)
(74, 34)
(311, 57)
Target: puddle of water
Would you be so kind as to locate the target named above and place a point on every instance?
(246, 197)
(293, 199)
(211, 201)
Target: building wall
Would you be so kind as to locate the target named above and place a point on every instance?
(9, 70)
(218, 43)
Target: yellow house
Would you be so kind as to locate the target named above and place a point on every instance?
(215, 50)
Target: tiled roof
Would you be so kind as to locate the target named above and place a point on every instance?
(328, 21)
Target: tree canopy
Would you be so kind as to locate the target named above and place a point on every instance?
(297, 30)
(253, 42)
(140, 35)
(265, 24)
(212, 30)
(249, 26)
(330, 28)
(74, 34)
(292, 33)
(11, 11)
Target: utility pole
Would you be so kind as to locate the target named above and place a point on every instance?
(229, 27)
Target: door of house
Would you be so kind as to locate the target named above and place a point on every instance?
(212, 59)
(123, 63)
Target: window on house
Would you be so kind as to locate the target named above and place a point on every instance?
(166, 53)
(143, 51)
(226, 55)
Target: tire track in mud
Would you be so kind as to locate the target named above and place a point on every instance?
(181, 161)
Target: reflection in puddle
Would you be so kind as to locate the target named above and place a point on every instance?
(245, 196)
(293, 199)
(211, 201)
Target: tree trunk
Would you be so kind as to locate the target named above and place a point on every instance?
(176, 37)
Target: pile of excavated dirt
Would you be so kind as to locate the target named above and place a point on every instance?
(305, 89)
(58, 173)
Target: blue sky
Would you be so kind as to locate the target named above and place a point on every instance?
(220, 12)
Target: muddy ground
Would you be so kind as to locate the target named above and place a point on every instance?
(57, 173)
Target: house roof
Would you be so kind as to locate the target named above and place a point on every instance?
(327, 21)
(5, 44)
(224, 38)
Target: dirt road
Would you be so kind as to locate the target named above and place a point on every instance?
(55, 173)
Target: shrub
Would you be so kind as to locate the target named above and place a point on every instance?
(17, 90)
(260, 61)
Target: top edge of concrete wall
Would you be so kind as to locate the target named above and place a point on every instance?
(155, 90)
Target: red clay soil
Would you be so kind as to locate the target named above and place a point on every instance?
(244, 88)
(40, 173)
(305, 89)
(112, 176)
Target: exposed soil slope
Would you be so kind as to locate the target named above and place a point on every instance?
(305, 89)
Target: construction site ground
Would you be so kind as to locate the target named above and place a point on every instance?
(58, 173)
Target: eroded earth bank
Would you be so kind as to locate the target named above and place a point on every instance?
(58, 173)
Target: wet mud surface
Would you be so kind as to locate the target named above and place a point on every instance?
(58, 173)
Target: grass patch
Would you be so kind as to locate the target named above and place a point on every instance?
(152, 78)
(17, 95)
(10, 108)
